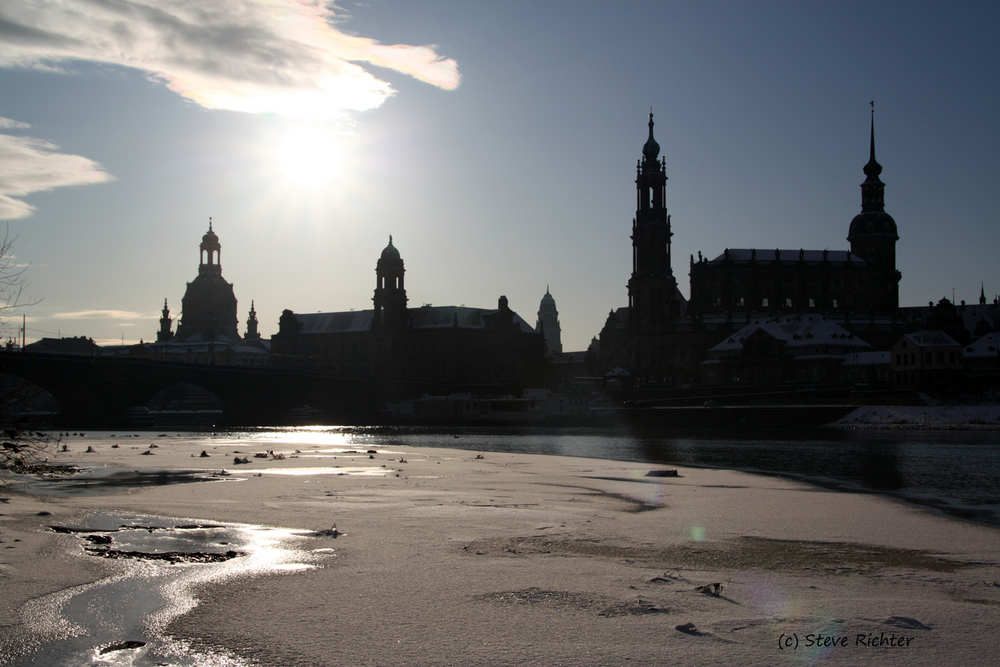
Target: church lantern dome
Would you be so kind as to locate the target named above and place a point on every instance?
(390, 257)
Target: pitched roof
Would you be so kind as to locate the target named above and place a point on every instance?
(931, 339)
(798, 332)
(986, 347)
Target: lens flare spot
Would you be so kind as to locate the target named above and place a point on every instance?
(697, 533)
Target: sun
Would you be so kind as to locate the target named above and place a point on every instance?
(309, 156)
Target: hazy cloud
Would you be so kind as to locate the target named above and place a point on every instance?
(10, 124)
(282, 56)
(101, 314)
(30, 165)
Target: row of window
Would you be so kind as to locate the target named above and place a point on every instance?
(930, 358)
(766, 303)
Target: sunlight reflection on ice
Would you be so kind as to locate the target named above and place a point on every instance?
(143, 596)
(352, 471)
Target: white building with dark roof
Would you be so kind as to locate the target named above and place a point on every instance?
(925, 359)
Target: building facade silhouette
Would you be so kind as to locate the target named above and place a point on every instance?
(661, 338)
(431, 349)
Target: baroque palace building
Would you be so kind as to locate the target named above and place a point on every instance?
(432, 349)
(661, 338)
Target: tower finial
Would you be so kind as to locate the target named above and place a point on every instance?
(872, 156)
(209, 223)
(873, 168)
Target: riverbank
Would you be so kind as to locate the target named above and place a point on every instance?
(452, 557)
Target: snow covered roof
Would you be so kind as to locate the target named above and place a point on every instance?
(798, 332)
(985, 348)
(789, 255)
(930, 339)
(426, 317)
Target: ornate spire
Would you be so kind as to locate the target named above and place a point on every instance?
(164, 334)
(873, 168)
(873, 189)
(651, 150)
(252, 333)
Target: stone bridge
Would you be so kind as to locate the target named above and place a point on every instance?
(95, 392)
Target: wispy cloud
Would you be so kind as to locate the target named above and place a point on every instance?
(101, 314)
(30, 165)
(283, 56)
(11, 124)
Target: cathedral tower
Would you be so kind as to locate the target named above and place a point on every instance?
(652, 288)
(390, 296)
(873, 237)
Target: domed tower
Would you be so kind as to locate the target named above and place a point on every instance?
(208, 309)
(873, 236)
(652, 287)
(390, 296)
(548, 323)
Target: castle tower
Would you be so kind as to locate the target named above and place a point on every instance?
(252, 333)
(652, 288)
(548, 323)
(164, 334)
(208, 309)
(873, 236)
(390, 296)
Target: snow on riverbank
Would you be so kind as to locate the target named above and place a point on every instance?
(923, 417)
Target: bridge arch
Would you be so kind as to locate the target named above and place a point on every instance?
(25, 404)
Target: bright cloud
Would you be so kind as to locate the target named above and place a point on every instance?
(30, 165)
(281, 56)
(101, 314)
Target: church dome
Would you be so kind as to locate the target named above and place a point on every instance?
(873, 223)
(390, 251)
(390, 258)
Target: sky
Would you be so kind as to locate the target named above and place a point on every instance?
(495, 140)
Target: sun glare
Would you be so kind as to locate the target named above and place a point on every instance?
(309, 156)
